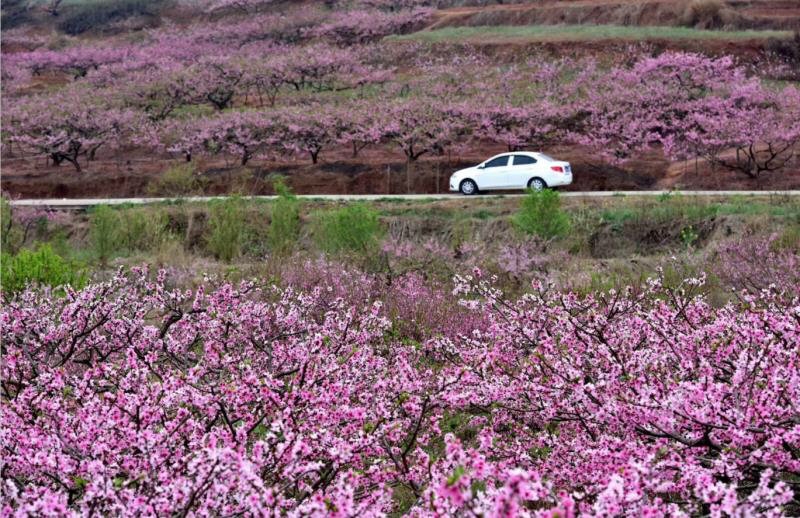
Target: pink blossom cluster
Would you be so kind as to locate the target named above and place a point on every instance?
(130, 398)
(366, 26)
(755, 264)
(64, 127)
(686, 104)
(173, 44)
(693, 106)
(262, 134)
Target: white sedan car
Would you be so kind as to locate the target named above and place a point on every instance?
(517, 170)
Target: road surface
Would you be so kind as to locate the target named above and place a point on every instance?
(77, 203)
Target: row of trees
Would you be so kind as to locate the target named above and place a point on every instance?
(693, 106)
(131, 398)
(254, 75)
(686, 104)
(245, 40)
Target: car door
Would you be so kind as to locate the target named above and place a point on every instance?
(494, 174)
(522, 169)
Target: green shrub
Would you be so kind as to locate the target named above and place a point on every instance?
(541, 215)
(142, 229)
(354, 228)
(789, 239)
(689, 236)
(226, 228)
(704, 14)
(284, 227)
(105, 224)
(6, 225)
(41, 266)
(179, 180)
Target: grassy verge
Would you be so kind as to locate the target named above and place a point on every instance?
(582, 33)
(598, 243)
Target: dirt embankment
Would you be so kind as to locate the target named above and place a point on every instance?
(746, 51)
(375, 171)
(705, 14)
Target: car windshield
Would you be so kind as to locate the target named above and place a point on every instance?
(547, 157)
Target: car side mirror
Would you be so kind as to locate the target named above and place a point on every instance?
(481, 166)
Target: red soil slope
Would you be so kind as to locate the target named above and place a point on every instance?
(376, 171)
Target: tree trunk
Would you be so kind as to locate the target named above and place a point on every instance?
(408, 175)
(74, 162)
(93, 151)
(438, 171)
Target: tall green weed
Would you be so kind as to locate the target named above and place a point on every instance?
(284, 226)
(226, 228)
(354, 228)
(540, 214)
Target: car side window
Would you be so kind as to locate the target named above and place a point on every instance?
(524, 160)
(497, 162)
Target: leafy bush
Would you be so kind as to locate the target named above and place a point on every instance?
(706, 14)
(41, 266)
(6, 223)
(541, 215)
(284, 227)
(227, 229)
(142, 229)
(114, 232)
(105, 223)
(179, 180)
(353, 228)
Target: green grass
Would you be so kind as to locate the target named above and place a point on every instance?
(783, 208)
(582, 33)
(677, 206)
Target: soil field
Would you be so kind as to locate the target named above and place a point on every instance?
(375, 171)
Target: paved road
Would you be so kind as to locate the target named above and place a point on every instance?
(77, 203)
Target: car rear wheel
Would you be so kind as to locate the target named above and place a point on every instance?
(537, 184)
(468, 187)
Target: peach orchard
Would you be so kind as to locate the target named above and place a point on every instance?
(256, 86)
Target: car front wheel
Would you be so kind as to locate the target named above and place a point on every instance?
(537, 184)
(468, 187)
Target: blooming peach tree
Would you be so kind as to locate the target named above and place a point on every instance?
(131, 398)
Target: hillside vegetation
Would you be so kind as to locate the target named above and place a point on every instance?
(536, 356)
(383, 357)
